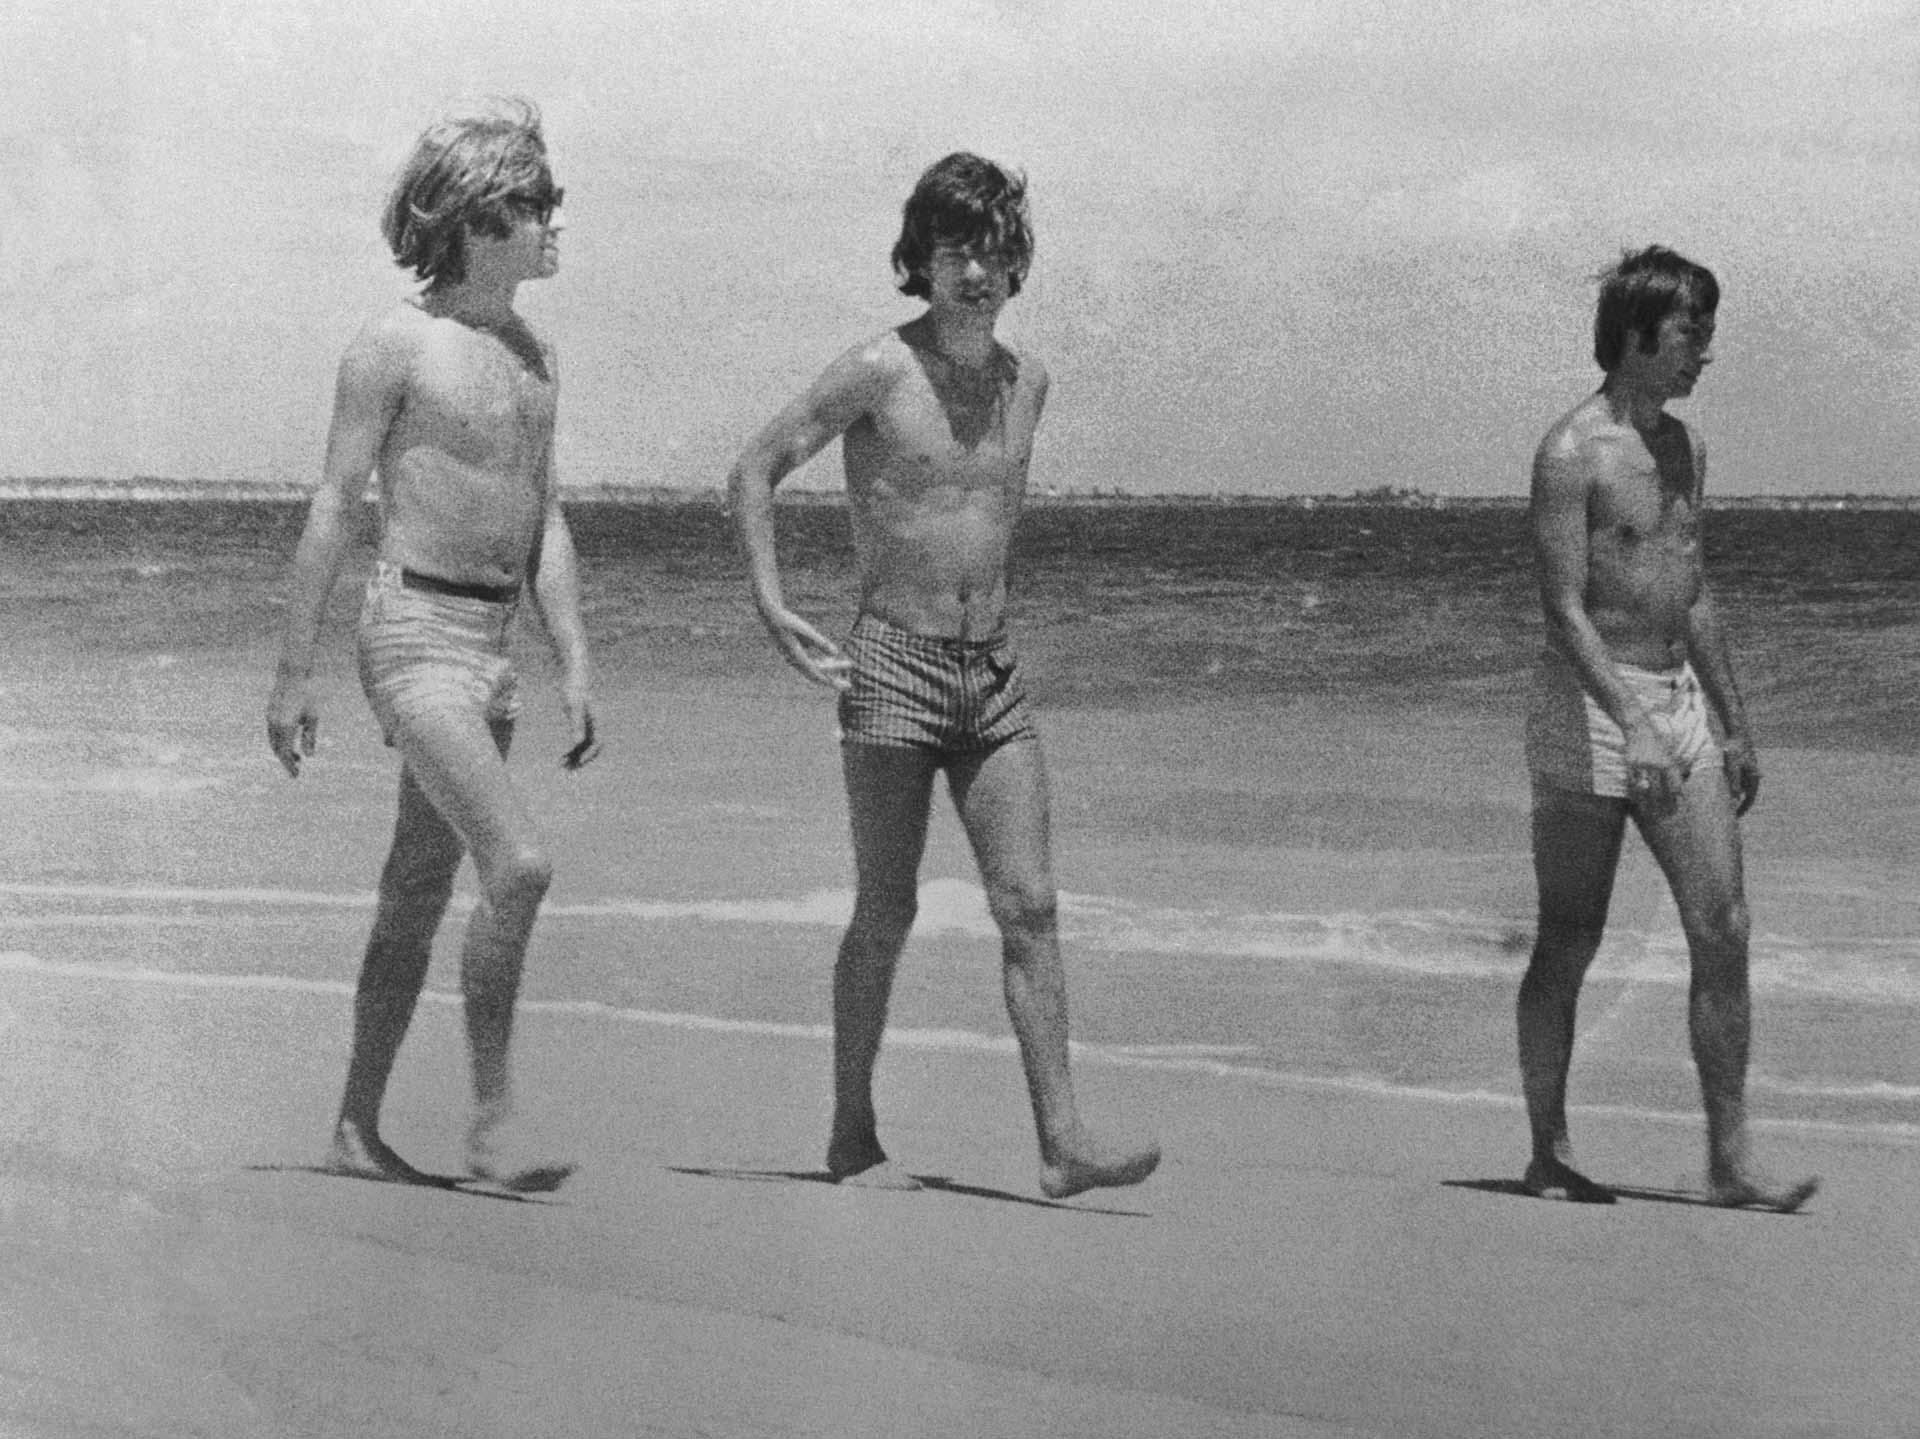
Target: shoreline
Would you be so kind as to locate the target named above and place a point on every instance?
(155, 490)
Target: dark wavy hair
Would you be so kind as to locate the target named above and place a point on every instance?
(468, 170)
(1641, 291)
(963, 200)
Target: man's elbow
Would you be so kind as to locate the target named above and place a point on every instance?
(751, 481)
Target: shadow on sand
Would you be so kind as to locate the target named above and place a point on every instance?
(939, 1182)
(1514, 1189)
(436, 1183)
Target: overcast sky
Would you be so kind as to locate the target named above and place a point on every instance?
(1294, 246)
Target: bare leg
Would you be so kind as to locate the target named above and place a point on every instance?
(462, 768)
(415, 885)
(1698, 847)
(1002, 799)
(1576, 849)
(889, 789)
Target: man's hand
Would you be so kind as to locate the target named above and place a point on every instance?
(293, 724)
(1653, 777)
(585, 746)
(573, 695)
(807, 650)
(1743, 772)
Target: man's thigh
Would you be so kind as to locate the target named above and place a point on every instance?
(1576, 851)
(1698, 847)
(889, 792)
(456, 759)
(420, 830)
(1002, 800)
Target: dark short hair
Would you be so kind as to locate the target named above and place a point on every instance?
(468, 170)
(1641, 291)
(963, 200)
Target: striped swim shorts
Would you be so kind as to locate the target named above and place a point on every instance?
(926, 692)
(1573, 744)
(423, 652)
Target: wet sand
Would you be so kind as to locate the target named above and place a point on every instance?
(177, 940)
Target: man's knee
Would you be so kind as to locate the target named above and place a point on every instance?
(885, 911)
(1562, 950)
(1722, 928)
(520, 877)
(418, 879)
(1023, 909)
(1561, 937)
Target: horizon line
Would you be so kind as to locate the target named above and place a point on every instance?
(153, 488)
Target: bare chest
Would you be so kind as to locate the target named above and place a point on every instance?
(482, 400)
(948, 437)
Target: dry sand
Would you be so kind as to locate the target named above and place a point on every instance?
(1310, 1261)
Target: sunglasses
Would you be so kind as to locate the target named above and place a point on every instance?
(538, 205)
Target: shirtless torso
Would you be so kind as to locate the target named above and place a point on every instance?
(936, 473)
(463, 466)
(1642, 494)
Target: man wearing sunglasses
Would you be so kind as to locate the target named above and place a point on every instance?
(449, 397)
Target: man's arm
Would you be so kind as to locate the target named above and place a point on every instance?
(1562, 484)
(848, 389)
(556, 589)
(1708, 652)
(367, 394)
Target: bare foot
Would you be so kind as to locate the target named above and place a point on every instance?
(1748, 1192)
(496, 1156)
(862, 1163)
(1091, 1168)
(1550, 1178)
(362, 1154)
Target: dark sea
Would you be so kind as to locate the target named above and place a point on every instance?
(1128, 600)
(1290, 818)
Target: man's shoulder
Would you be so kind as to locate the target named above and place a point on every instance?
(383, 351)
(396, 332)
(872, 365)
(1585, 434)
(1030, 369)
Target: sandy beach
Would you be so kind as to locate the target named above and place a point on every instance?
(1316, 1257)
(1309, 1261)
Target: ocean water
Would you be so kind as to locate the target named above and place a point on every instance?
(1290, 820)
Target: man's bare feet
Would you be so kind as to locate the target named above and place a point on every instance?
(1088, 1167)
(1551, 1178)
(361, 1153)
(862, 1163)
(1745, 1191)
(498, 1155)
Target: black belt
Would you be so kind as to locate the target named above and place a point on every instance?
(434, 585)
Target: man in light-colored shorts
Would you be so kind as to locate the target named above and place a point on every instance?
(428, 647)
(449, 397)
(1574, 744)
(1636, 655)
